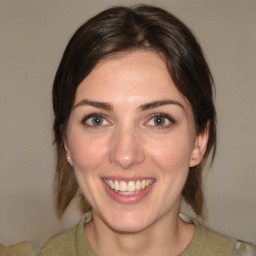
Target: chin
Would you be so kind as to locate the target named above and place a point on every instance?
(128, 227)
(130, 223)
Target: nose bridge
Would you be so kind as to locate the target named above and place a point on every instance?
(126, 149)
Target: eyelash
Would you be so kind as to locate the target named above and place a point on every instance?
(103, 118)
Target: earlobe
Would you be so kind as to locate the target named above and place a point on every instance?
(200, 147)
(68, 155)
(66, 148)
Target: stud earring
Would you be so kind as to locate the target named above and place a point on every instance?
(68, 157)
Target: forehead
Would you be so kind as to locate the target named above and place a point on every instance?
(129, 76)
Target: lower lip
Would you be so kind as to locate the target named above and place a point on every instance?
(127, 199)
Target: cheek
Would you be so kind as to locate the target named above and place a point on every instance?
(172, 153)
(87, 153)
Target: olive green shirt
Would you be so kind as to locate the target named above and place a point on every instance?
(73, 242)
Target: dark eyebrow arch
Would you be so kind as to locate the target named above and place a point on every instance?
(96, 104)
(160, 103)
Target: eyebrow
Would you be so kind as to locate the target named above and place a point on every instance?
(143, 107)
(160, 103)
(96, 104)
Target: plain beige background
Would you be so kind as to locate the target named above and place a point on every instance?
(33, 34)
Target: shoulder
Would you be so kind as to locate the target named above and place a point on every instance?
(220, 244)
(72, 242)
(215, 243)
(60, 244)
(20, 249)
(207, 242)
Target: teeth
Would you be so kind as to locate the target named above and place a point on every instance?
(128, 193)
(131, 186)
(143, 184)
(128, 188)
(123, 186)
(138, 185)
(111, 184)
(116, 185)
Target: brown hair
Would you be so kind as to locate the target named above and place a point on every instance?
(120, 29)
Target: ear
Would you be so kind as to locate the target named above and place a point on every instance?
(66, 147)
(200, 147)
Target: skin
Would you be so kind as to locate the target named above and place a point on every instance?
(129, 144)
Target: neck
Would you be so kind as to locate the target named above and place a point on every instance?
(168, 236)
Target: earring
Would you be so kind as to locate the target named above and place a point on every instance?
(68, 157)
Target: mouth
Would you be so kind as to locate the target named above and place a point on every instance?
(130, 187)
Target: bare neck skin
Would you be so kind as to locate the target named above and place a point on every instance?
(167, 236)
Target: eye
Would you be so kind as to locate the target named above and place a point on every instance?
(95, 120)
(160, 121)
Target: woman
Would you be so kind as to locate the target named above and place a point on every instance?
(134, 125)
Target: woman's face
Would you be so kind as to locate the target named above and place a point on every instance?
(131, 138)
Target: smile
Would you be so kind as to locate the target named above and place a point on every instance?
(128, 187)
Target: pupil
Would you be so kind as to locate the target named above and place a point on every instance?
(97, 120)
(159, 121)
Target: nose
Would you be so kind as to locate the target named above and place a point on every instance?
(126, 150)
